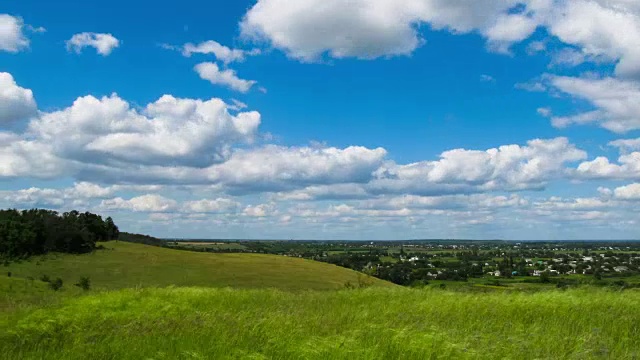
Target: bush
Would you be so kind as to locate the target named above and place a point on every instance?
(45, 278)
(56, 284)
(84, 283)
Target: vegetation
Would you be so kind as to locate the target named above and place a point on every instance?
(417, 263)
(140, 239)
(374, 323)
(126, 265)
(33, 232)
(232, 300)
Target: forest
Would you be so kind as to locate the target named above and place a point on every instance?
(37, 231)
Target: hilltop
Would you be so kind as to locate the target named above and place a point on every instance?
(124, 265)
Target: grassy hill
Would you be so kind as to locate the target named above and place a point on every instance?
(128, 265)
(374, 323)
(155, 303)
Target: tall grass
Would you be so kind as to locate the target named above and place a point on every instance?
(396, 323)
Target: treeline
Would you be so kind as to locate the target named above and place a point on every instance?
(37, 231)
(141, 239)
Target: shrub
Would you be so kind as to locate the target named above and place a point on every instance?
(84, 283)
(45, 278)
(56, 284)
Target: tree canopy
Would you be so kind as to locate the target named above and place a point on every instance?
(38, 231)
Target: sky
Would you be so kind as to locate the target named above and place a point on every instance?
(326, 119)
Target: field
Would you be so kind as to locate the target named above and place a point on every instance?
(156, 303)
(205, 323)
(127, 265)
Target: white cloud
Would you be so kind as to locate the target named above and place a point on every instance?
(237, 105)
(544, 111)
(12, 38)
(323, 192)
(370, 29)
(509, 167)
(222, 53)
(603, 28)
(628, 167)
(616, 102)
(598, 29)
(33, 197)
(170, 131)
(626, 144)
(16, 103)
(273, 168)
(220, 205)
(103, 43)
(487, 78)
(628, 192)
(25, 158)
(211, 72)
(262, 210)
(144, 203)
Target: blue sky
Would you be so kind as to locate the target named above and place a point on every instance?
(362, 120)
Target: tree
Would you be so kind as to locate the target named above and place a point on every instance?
(84, 283)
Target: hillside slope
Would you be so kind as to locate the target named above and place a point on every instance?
(374, 323)
(125, 265)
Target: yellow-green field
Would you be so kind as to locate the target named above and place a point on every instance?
(375, 323)
(127, 265)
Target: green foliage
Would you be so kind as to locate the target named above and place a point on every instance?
(545, 277)
(45, 278)
(141, 239)
(36, 231)
(84, 283)
(56, 284)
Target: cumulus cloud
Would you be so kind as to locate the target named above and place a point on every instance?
(222, 53)
(170, 131)
(145, 203)
(598, 30)
(211, 72)
(628, 192)
(103, 43)
(509, 167)
(16, 103)
(33, 197)
(12, 37)
(219, 205)
(273, 168)
(370, 29)
(616, 102)
(260, 211)
(603, 28)
(628, 167)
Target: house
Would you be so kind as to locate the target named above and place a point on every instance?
(620, 269)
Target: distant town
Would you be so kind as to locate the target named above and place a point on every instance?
(457, 263)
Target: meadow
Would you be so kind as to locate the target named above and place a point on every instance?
(374, 323)
(126, 265)
(156, 303)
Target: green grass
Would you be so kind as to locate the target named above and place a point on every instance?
(375, 323)
(127, 265)
(210, 245)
